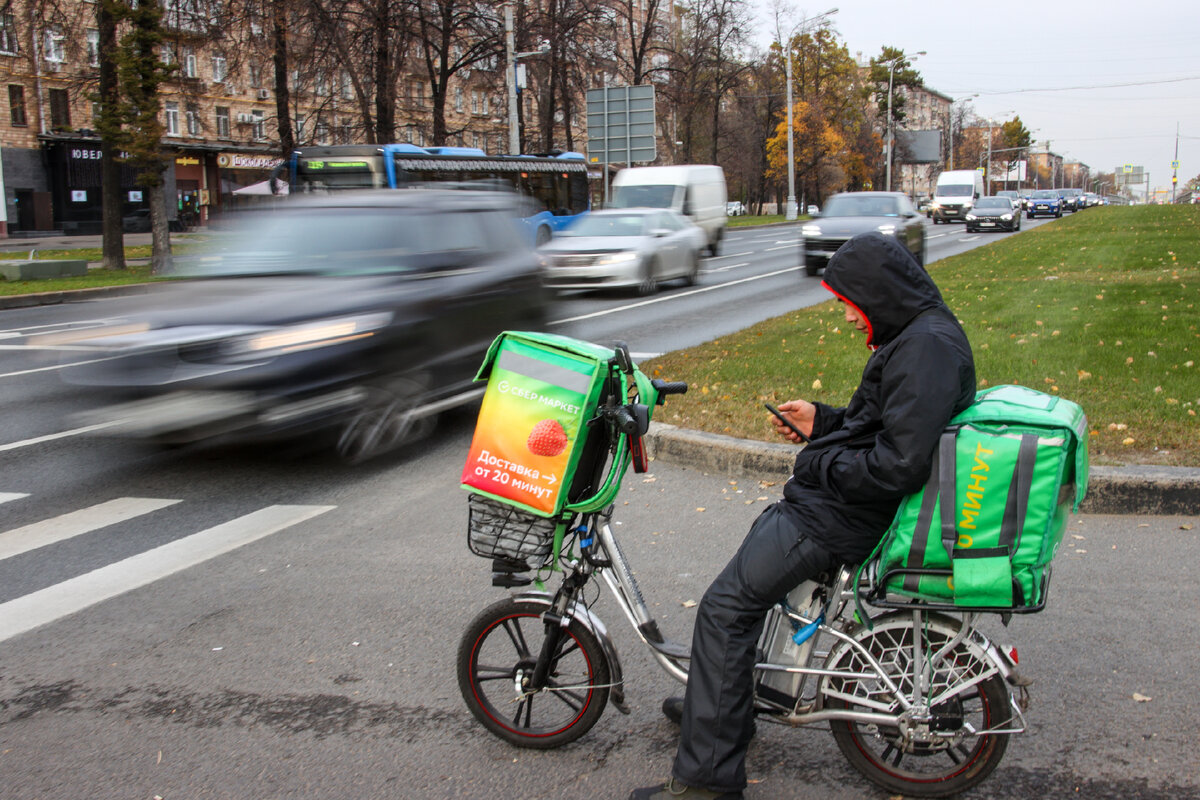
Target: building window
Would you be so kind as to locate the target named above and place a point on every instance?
(223, 122)
(189, 62)
(8, 32)
(344, 134)
(458, 99)
(55, 51)
(417, 94)
(322, 133)
(347, 86)
(321, 84)
(255, 76)
(171, 110)
(93, 47)
(167, 55)
(16, 104)
(258, 125)
(193, 120)
(60, 109)
(220, 69)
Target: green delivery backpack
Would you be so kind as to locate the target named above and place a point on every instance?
(983, 530)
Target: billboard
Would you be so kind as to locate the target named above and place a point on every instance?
(919, 147)
(620, 124)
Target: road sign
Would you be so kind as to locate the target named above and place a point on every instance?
(1174, 165)
(620, 125)
(1127, 168)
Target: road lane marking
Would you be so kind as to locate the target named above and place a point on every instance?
(786, 247)
(970, 238)
(732, 255)
(71, 596)
(61, 435)
(664, 299)
(55, 366)
(6, 496)
(727, 267)
(85, 520)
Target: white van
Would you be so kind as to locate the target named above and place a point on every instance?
(695, 190)
(955, 194)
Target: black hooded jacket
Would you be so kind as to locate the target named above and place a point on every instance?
(848, 483)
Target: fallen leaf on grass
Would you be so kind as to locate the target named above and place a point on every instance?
(1141, 698)
(701, 508)
(1187, 526)
(689, 604)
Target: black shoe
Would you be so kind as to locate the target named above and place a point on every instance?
(672, 709)
(673, 790)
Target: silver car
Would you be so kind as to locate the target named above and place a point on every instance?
(629, 248)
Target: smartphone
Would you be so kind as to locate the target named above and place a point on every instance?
(786, 421)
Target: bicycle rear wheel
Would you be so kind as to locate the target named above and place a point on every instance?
(938, 757)
(496, 658)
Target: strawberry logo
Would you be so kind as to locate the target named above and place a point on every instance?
(547, 439)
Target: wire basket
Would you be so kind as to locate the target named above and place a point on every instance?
(496, 530)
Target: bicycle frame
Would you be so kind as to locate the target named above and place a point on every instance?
(914, 705)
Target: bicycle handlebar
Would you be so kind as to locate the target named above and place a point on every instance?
(669, 387)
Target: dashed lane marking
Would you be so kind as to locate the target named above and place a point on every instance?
(85, 520)
(71, 596)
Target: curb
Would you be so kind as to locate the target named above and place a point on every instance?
(1147, 490)
(73, 295)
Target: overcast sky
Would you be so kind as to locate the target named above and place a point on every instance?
(1041, 60)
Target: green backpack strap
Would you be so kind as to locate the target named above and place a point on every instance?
(947, 472)
(924, 523)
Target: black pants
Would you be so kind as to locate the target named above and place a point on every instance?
(718, 710)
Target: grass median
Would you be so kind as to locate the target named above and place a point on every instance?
(1098, 307)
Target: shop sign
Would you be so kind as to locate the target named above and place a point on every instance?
(246, 161)
(187, 161)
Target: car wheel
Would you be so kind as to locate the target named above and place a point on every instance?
(714, 247)
(648, 284)
(385, 419)
(693, 273)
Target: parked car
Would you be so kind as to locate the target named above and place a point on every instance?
(735, 208)
(848, 214)
(360, 315)
(137, 221)
(1044, 202)
(633, 248)
(994, 213)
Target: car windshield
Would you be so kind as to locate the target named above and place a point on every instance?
(994, 202)
(847, 205)
(1045, 194)
(648, 196)
(330, 241)
(608, 225)
(956, 190)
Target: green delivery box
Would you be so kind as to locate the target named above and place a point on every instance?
(542, 389)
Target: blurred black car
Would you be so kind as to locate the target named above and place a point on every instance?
(360, 314)
(994, 213)
(848, 214)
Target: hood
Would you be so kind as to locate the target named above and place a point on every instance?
(850, 226)
(878, 276)
(592, 244)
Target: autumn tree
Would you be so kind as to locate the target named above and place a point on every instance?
(108, 124)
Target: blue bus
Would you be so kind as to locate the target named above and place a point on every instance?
(556, 184)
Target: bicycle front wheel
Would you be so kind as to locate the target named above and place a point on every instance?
(496, 659)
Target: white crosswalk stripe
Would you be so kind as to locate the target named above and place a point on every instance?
(86, 520)
(41, 607)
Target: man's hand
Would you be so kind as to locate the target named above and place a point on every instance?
(801, 413)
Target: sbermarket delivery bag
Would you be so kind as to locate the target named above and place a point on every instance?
(985, 527)
(542, 389)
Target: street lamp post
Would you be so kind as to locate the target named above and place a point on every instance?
(787, 60)
(510, 72)
(959, 100)
(890, 135)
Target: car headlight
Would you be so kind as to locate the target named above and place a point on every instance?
(970, 217)
(1006, 217)
(935, 205)
(616, 258)
(810, 230)
(305, 336)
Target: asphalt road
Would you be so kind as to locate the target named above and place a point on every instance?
(319, 661)
(249, 623)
